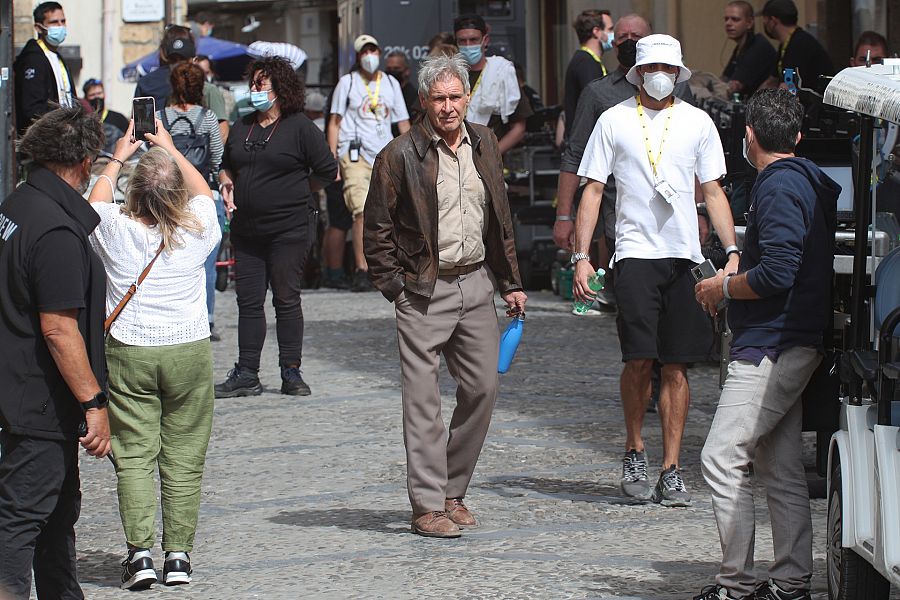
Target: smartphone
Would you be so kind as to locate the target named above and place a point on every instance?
(143, 111)
(704, 270)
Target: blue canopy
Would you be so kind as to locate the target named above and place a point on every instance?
(230, 60)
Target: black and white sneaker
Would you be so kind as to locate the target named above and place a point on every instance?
(137, 570)
(177, 570)
(771, 591)
(634, 482)
(717, 592)
(670, 489)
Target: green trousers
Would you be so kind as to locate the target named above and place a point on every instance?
(160, 414)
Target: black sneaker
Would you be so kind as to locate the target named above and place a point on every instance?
(670, 489)
(361, 282)
(292, 382)
(137, 570)
(771, 591)
(634, 482)
(213, 334)
(717, 592)
(336, 283)
(241, 382)
(177, 570)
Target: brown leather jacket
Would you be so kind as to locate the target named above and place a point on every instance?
(401, 229)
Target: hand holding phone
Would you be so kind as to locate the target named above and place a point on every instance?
(143, 110)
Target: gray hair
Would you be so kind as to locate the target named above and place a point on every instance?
(439, 68)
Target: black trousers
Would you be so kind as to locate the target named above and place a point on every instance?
(40, 500)
(275, 261)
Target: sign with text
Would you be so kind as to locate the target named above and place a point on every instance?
(143, 11)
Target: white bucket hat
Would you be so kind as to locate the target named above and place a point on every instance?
(658, 48)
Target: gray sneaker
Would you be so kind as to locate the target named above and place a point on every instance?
(634, 482)
(670, 489)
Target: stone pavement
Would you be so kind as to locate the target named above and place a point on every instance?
(306, 497)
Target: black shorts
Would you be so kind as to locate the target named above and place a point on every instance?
(338, 215)
(658, 316)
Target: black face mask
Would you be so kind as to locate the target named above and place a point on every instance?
(627, 53)
(396, 74)
(96, 104)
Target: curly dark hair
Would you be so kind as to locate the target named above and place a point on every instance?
(64, 136)
(187, 81)
(286, 84)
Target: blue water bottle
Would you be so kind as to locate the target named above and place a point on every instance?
(509, 341)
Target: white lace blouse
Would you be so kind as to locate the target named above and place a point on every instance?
(170, 305)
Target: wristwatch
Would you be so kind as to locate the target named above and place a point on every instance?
(732, 249)
(579, 256)
(98, 401)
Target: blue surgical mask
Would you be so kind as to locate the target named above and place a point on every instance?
(260, 101)
(608, 44)
(472, 54)
(56, 34)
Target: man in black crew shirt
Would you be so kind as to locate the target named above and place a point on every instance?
(753, 57)
(594, 29)
(797, 49)
(52, 362)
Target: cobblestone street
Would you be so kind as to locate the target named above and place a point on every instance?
(306, 497)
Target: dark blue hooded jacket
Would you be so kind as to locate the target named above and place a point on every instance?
(788, 257)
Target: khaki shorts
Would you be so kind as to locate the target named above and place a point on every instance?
(356, 176)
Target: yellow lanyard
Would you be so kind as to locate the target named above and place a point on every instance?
(62, 69)
(662, 139)
(478, 81)
(104, 115)
(373, 97)
(596, 58)
(781, 53)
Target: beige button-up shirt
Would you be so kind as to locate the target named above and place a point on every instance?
(461, 204)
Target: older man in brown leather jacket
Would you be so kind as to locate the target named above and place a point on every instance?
(437, 227)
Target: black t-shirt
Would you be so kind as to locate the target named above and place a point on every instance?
(807, 57)
(582, 70)
(413, 106)
(751, 64)
(522, 112)
(117, 119)
(114, 127)
(271, 178)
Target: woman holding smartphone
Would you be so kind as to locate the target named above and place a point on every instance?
(158, 351)
(269, 157)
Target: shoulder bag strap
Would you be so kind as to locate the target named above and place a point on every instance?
(132, 290)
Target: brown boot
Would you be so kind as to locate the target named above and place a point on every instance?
(435, 524)
(459, 513)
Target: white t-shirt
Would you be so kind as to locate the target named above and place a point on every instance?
(647, 226)
(62, 82)
(170, 305)
(352, 100)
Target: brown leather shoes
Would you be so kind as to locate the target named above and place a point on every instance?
(459, 513)
(435, 524)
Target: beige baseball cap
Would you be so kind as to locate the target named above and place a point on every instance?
(364, 39)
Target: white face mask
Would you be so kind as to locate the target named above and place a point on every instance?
(659, 85)
(744, 149)
(369, 63)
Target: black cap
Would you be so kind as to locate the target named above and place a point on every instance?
(469, 22)
(181, 47)
(782, 9)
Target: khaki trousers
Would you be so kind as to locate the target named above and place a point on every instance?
(758, 421)
(460, 322)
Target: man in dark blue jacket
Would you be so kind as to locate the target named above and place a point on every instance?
(780, 304)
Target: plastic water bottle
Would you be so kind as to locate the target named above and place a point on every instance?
(509, 341)
(595, 283)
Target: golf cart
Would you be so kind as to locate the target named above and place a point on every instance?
(864, 455)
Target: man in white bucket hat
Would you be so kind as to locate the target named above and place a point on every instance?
(657, 147)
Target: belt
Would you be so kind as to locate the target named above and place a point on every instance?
(461, 270)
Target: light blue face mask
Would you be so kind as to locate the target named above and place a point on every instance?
(472, 54)
(260, 101)
(608, 44)
(56, 34)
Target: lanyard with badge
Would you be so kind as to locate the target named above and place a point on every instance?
(662, 187)
(781, 53)
(373, 102)
(596, 59)
(65, 92)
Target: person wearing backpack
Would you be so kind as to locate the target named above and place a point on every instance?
(195, 132)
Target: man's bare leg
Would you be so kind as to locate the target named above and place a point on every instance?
(674, 399)
(633, 385)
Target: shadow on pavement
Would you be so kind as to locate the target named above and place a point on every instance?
(100, 568)
(383, 521)
(673, 579)
(576, 491)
